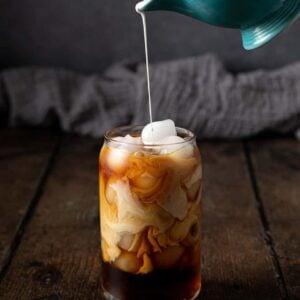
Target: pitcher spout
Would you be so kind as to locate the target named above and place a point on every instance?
(147, 5)
(259, 34)
(184, 7)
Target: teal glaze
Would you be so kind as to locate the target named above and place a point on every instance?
(258, 20)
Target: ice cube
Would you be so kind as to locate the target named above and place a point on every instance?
(117, 159)
(194, 178)
(128, 262)
(120, 147)
(186, 151)
(176, 203)
(172, 144)
(127, 143)
(127, 139)
(118, 139)
(176, 146)
(154, 132)
(132, 139)
(131, 143)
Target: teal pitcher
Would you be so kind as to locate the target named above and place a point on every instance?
(258, 20)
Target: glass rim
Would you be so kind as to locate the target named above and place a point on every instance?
(108, 135)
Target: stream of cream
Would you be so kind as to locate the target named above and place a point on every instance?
(147, 63)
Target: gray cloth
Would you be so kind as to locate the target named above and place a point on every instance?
(197, 93)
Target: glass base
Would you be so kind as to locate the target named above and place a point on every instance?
(172, 284)
(107, 296)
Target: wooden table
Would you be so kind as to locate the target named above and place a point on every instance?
(49, 236)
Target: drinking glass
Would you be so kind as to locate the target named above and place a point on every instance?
(150, 217)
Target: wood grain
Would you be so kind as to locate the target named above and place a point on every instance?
(23, 158)
(236, 262)
(14, 142)
(58, 256)
(277, 170)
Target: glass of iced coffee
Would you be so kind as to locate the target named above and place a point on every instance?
(150, 214)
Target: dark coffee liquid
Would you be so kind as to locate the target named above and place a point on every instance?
(171, 284)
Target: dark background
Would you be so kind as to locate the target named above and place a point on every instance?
(89, 35)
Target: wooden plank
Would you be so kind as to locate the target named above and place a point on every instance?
(23, 157)
(59, 254)
(277, 169)
(20, 141)
(236, 263)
